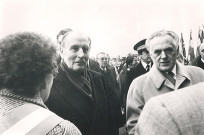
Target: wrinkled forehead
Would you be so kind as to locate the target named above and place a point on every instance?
(164, 40)
(76, 37)
(102, 55)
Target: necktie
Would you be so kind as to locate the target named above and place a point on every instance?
(169, 76)
(147, 68)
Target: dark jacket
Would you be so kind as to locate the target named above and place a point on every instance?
(94, 65)
(123, 85)
(88, 109)
(197, 62)
(114, 92)
(133, 73)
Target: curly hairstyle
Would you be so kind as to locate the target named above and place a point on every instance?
(25, 59)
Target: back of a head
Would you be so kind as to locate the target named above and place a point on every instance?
(25, 59)
(129, 59)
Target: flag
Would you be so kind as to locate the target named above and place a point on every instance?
(199, 42)
(191, 55)
(202, 34)
(181, 51)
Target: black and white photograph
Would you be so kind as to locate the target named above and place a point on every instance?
(101, 67)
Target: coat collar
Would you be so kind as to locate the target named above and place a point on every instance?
(159, 79)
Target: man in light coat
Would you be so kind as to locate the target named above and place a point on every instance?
(175, 113)
(166, 75)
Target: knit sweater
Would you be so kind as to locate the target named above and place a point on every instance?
(10, 101)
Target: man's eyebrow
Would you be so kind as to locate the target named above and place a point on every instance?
(168, 48)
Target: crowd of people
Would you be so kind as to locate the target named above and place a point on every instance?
(57, 89)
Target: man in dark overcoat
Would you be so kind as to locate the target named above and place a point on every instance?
(79, 94)
(112, 86)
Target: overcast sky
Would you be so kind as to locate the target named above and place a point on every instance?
(113, 25)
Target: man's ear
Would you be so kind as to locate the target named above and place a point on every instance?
(177, 51)
(61, 52)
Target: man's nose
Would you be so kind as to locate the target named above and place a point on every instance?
(80, 52)
(163, 55)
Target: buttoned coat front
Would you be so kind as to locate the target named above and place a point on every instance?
(154, 83)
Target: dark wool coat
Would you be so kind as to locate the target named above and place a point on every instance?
(135, 72)
(197, 62)
(88, 108)
(114, 92)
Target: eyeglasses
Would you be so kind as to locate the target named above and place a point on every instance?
(103, 59)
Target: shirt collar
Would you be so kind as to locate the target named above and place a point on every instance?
(174, 69)
(202, 60)
(144, 64)
(158, 78)
(103, 69)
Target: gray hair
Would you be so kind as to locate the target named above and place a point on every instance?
(162, 33)
(100, 53)
(68, 33)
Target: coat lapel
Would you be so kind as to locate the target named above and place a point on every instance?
(157, 77)
(179, 80)
(181, 75)
(169, 84)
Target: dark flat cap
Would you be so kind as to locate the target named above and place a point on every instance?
(140, 45)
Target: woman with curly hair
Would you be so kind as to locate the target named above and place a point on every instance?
(27, 68)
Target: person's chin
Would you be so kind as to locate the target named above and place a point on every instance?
(165, 68)
(78, 69)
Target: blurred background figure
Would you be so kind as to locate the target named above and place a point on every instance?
(79, 94)
(114, 62)
(145, 62)
(27, 68)
(131, 61)
(93, 65)
(199, 60)
(122, 63)
(112, 86)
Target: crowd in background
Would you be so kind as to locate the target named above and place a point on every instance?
(96, 95)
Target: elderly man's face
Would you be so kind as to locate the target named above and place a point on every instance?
(102, 60)
(76, 51)
(163, 52)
